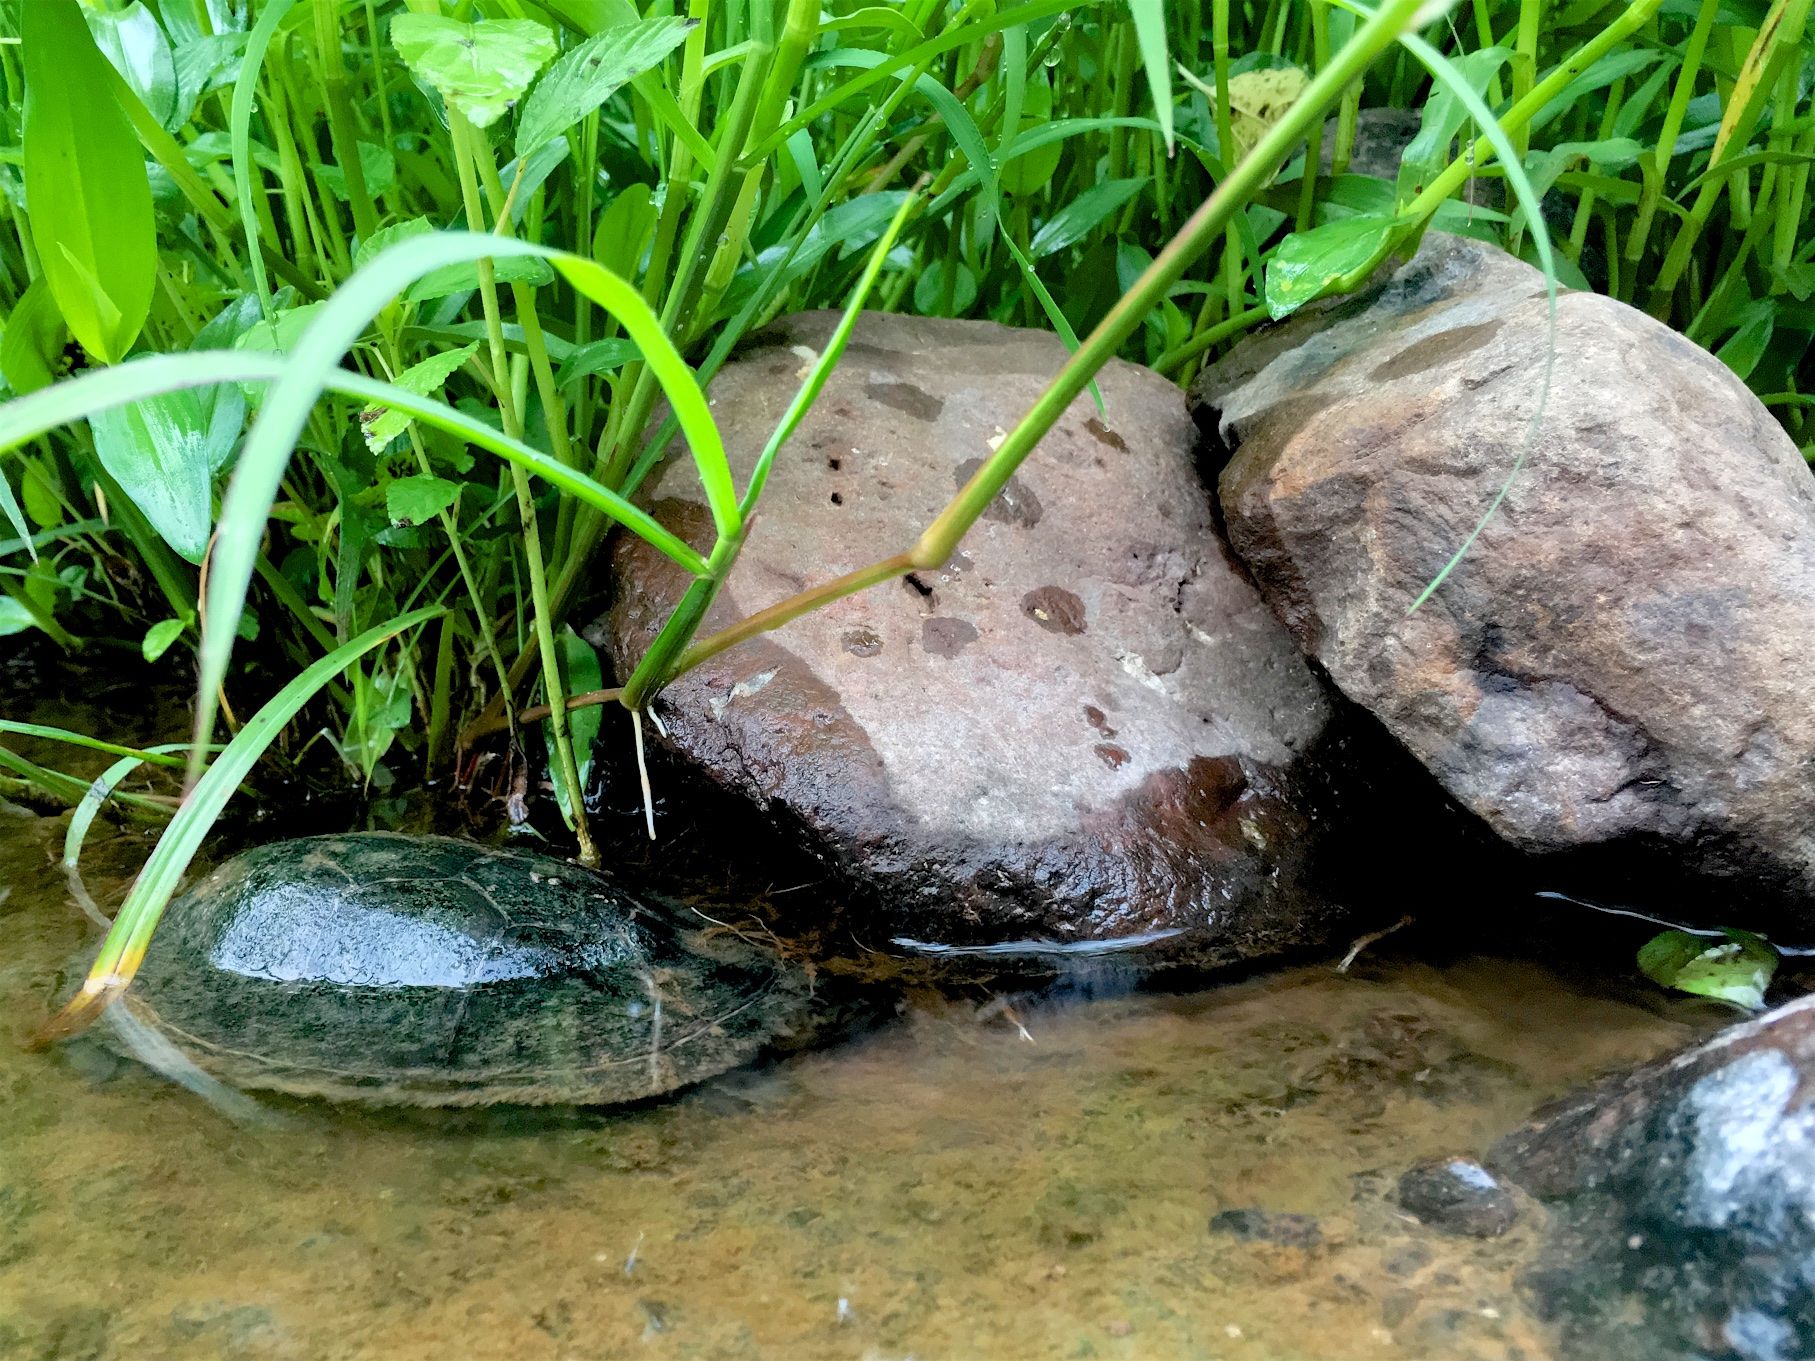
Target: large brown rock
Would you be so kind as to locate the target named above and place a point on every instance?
(1621, 658)
(1683, 1200)
(1085, 726)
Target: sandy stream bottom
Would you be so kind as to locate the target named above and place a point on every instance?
(944, 1187)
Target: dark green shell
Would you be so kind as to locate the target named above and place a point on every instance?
(425, 970)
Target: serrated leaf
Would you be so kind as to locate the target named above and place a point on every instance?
(85, 182)
(390, 236)
(1736, 969)
(159, 637)
(376, 164)
(481, 69)
(1306, 264)
(591, 73)
(413, 500)
(382, 424)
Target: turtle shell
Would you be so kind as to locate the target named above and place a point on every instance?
(424, 970)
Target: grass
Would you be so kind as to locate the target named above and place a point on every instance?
(337, 330)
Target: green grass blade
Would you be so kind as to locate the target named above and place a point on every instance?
(1150, 31)
(27, 417)
(311, 366)
(153, 755)
(828, 359)
(124, 949)
(245, 91)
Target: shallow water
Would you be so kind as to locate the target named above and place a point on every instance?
(972, 1180)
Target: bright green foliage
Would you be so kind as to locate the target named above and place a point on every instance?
(591, 73)
(164, 452)
(85, 182)
(1735, 969)
(365, 420)
(481, 69)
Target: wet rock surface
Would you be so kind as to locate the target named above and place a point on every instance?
(1616, 663)
(1085, 726)
(1457, 1195)
(1683, 1194)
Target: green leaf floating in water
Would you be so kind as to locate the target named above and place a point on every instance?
(1737, 969)
(481, 69)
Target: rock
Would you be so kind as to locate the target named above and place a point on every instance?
(1268, 1226)
(1456, 1195)
(1617, 662)
(1084, 726)
(1685, 1190)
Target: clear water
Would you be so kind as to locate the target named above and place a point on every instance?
(972, 1181)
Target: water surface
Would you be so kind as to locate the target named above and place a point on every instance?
(979, 1178)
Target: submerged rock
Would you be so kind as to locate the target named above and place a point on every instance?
(1684, 1191)
(1084, 726)
(1618, 660)
(1459, 1196)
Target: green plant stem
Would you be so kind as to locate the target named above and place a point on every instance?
(468, 154)
(936, 545)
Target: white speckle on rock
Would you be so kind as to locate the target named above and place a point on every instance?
(742, 690)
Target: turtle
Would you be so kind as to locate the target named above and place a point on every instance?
(424, 970)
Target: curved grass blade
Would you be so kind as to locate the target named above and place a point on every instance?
(124, 949)
(245, 90)
(27, 417)
(309, 368)
(152, 755)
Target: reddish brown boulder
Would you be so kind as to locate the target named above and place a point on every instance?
(1620, 661)
(1085, 726)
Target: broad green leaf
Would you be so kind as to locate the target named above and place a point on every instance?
(1031, 173)
(377, 165)
(1082, 215)
(624, 230)
(382, 424)
(31, 351)
(1746, 346)
(464, 278)
(580, 668)
(945, 288)
(481, 69)
(1444, 114)
(1737, 969)
(591, 73)
(390, 236)
(281, 333)
(598, 356)
(412, 500)
(159, 637)
(203, 65)
(164, 452)
(40, 499)
(131, 39)
(1150, 34)
(85, 181)
(14, 617)
(1307, 264)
